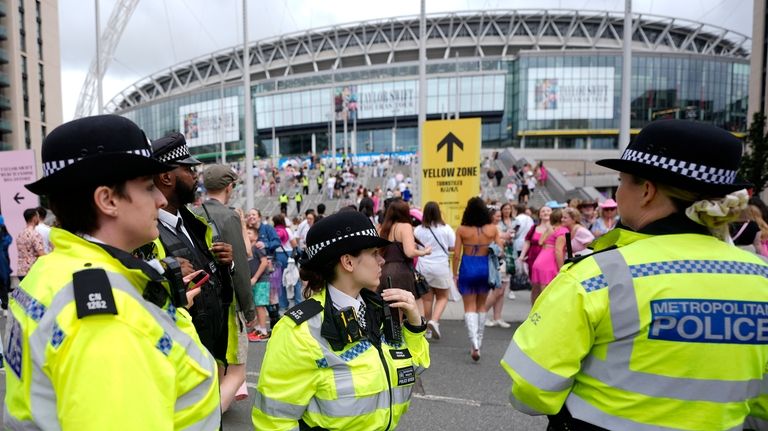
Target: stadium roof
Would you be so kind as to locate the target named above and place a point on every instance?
(476, 34)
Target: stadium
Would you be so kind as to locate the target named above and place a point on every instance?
(542, 81)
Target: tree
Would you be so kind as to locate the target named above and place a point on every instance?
(754, 163)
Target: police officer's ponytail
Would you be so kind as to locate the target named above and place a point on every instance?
(713, 213)
(315, 279)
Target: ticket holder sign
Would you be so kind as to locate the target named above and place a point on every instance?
(16, 169)
(450, 173)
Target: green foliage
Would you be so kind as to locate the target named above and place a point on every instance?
(754, 163)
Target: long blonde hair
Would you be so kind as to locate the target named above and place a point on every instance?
(756, 216)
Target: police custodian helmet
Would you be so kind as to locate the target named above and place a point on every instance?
(96, 150)
(339, 234)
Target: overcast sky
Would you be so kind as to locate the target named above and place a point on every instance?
(163, 33)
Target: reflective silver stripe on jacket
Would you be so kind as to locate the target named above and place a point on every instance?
(14, 424)
(342, 407)
(534, 373)
(593, 415)
(42, 395)
(347, 404)
(276, 408)
(625, 320)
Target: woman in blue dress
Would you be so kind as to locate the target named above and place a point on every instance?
(473, 237)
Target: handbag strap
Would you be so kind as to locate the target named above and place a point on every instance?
(738, 234)
(438, 241)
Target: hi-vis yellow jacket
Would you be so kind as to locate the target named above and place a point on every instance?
(663, 332)
(357, 388)
(86, 352)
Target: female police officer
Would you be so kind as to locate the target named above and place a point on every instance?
(86, 350)
(665, 326)
(339, 361)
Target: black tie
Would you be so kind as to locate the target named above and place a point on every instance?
(182, 236)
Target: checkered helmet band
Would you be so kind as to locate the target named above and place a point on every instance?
(178, 153)
(317, 248)
(57, 165)
(699, 172)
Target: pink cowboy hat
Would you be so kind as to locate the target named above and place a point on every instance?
(609, 203)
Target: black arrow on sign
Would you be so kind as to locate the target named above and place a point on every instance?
(18, 198)
(450, 140)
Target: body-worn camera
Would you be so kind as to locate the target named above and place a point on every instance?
(350, 327)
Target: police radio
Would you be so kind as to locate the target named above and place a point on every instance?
(393, 333)
(176, 281)
(346, 320)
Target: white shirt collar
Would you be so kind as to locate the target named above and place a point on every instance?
(167, 218)
(341, 300)
(92, 239)
(170, 220)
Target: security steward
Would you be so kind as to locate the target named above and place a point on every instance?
(283, 200)
(298, 198)
(194, 243)
(97, 339)
(665, 326)
(340, 360)
(319, 180)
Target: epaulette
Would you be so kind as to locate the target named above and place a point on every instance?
(304, 311)
(93, 293)
(576, 259)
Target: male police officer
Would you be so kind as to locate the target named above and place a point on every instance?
(191, 240)
(87, 348)
(665, 326)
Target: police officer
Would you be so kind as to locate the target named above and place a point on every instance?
(665, 326)
(339, 360)
(191, 239)
(86, 350)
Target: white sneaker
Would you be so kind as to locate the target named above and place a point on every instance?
(511, 295)
(503, 324)
(428, 334)
(434, 328)
(490, 322)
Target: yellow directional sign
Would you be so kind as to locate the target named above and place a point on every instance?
(450, 169)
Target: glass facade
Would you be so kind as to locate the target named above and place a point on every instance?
(568, 100)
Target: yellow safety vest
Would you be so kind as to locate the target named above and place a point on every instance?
(305, 180)
(303, 378)
(297, 197)
(142, 368)
(283, 198)
(664, 332)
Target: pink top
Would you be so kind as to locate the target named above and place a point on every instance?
(581, 238)
(550, 241)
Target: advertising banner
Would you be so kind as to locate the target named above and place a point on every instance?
(558, 93)
(210, 122)
(387, 99)
(451, 165)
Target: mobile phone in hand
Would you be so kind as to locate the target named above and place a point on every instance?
(200, 279)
